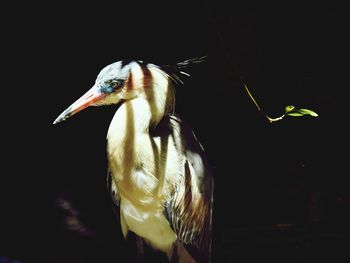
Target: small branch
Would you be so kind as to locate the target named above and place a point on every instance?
(234, 69)
(259, 108)
(290, 110)
(251, 97)
(275, 119)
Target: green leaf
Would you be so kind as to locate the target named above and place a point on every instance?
(301, 112)
(294, 114)
(289, 108)
(310, 112)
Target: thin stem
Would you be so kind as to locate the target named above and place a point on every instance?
(234, 69)
(259, 108)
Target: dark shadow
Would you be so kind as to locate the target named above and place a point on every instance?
(160, 157)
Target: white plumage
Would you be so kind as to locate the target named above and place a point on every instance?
(159, 175)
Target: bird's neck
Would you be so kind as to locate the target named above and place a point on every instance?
(129, 144)
(143, 113)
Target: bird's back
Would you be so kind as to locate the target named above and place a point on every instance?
(189, 211)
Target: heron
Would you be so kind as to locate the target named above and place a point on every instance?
(159, 176)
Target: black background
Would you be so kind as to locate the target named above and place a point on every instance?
(281, 188)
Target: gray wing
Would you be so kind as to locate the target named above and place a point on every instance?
(189, 211)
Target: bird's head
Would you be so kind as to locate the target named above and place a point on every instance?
(115, 83)
(126, 80)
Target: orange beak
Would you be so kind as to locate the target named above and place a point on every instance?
(88, 99)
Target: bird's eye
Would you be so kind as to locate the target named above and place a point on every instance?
(116, 83)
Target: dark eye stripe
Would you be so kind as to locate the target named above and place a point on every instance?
(116, 83)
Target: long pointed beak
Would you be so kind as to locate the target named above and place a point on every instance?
(88, 99)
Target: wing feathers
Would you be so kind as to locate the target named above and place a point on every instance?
(190, 214)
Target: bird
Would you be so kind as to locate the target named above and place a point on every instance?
(159, 176)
